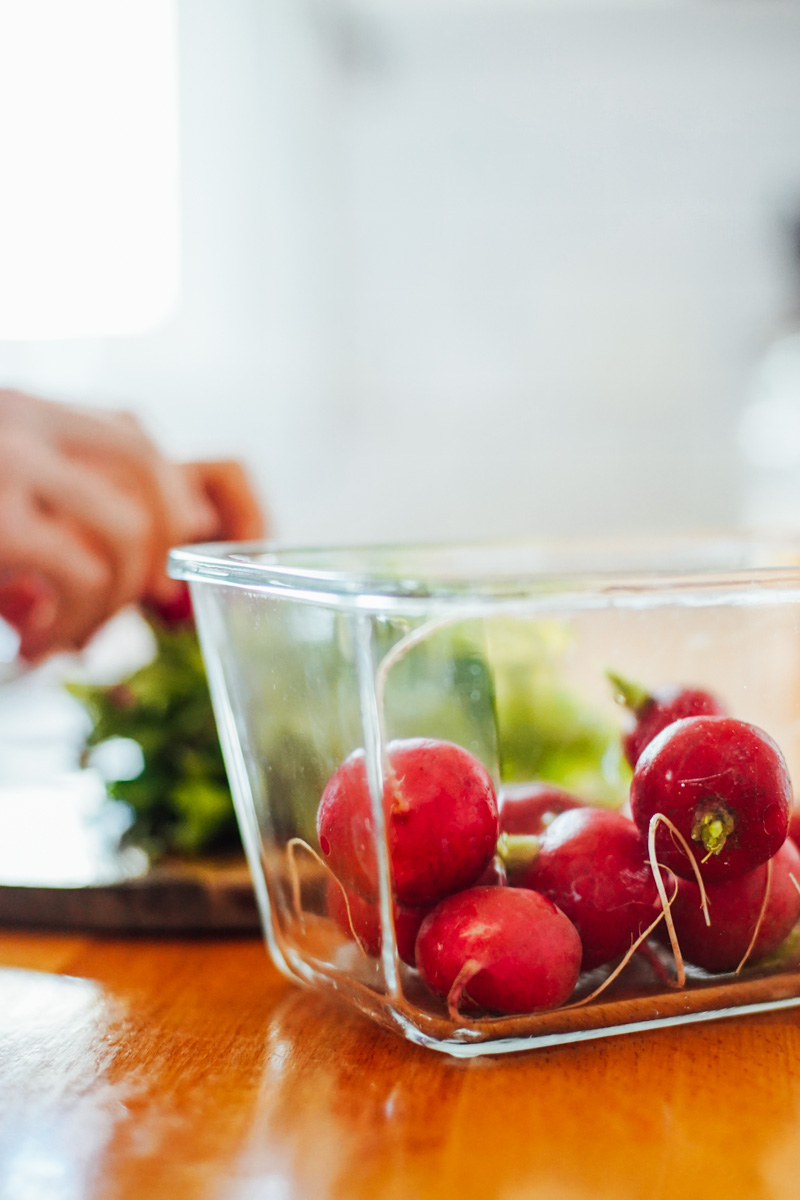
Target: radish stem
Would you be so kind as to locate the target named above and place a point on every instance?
(626, 691)
(518, 849)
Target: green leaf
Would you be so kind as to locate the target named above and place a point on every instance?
(180, 803)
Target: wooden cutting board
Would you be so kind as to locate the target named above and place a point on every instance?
(201, 896)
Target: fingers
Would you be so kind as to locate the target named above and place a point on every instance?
(89, 508)
(238, 517)
(79, 578)
(227, 486)
(116, 445)
(108, 520)
(73, 523)
(187, 514)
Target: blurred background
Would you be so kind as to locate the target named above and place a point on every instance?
(436, 269)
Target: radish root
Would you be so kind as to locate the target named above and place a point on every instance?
(794, 881)
(294, 844)
(655, 820)
(760, 921)
(684, 845)
(629, 955)
(655, 964)
(291, 846)
(469, 970)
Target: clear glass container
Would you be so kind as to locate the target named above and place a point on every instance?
(504, 650)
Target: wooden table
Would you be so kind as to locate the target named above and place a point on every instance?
(187, 1069)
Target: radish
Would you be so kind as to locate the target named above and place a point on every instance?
(794, 826)
(530, 807)
(361, 920)
(493, 875)
(654, 711)
(724, 785)
(28, 602)
(176, 613)
(735, 908)
(593, 865)
(505, 950)
(441, 822)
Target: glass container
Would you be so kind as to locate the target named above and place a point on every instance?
(504, 650)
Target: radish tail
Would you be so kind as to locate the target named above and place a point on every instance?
(655, 964)
(760, 921)
(662, 892)
(468, 971)
(294, 844)
(627, 958)
(684, 845)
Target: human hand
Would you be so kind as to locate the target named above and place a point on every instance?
(239, 517)
(228, 489)
(88, 510)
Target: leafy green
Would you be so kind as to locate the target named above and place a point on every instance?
(545, 728)
(497, 686)
(180, 801)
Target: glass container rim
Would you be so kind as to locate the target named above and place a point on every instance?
(410, 575)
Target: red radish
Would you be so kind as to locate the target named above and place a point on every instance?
(654, 711)
(20, 593)
(503, 949)
(530, 807)
(175, 613)
(735, 907)
(366, 922)
(494, 875)
(794, 826)
(29, 603)
(593, 865)
(441, 817)
(725, 786)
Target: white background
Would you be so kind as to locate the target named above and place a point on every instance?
(468, 268)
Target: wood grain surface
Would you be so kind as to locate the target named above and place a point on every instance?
(191, 896)
(188, 1069)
